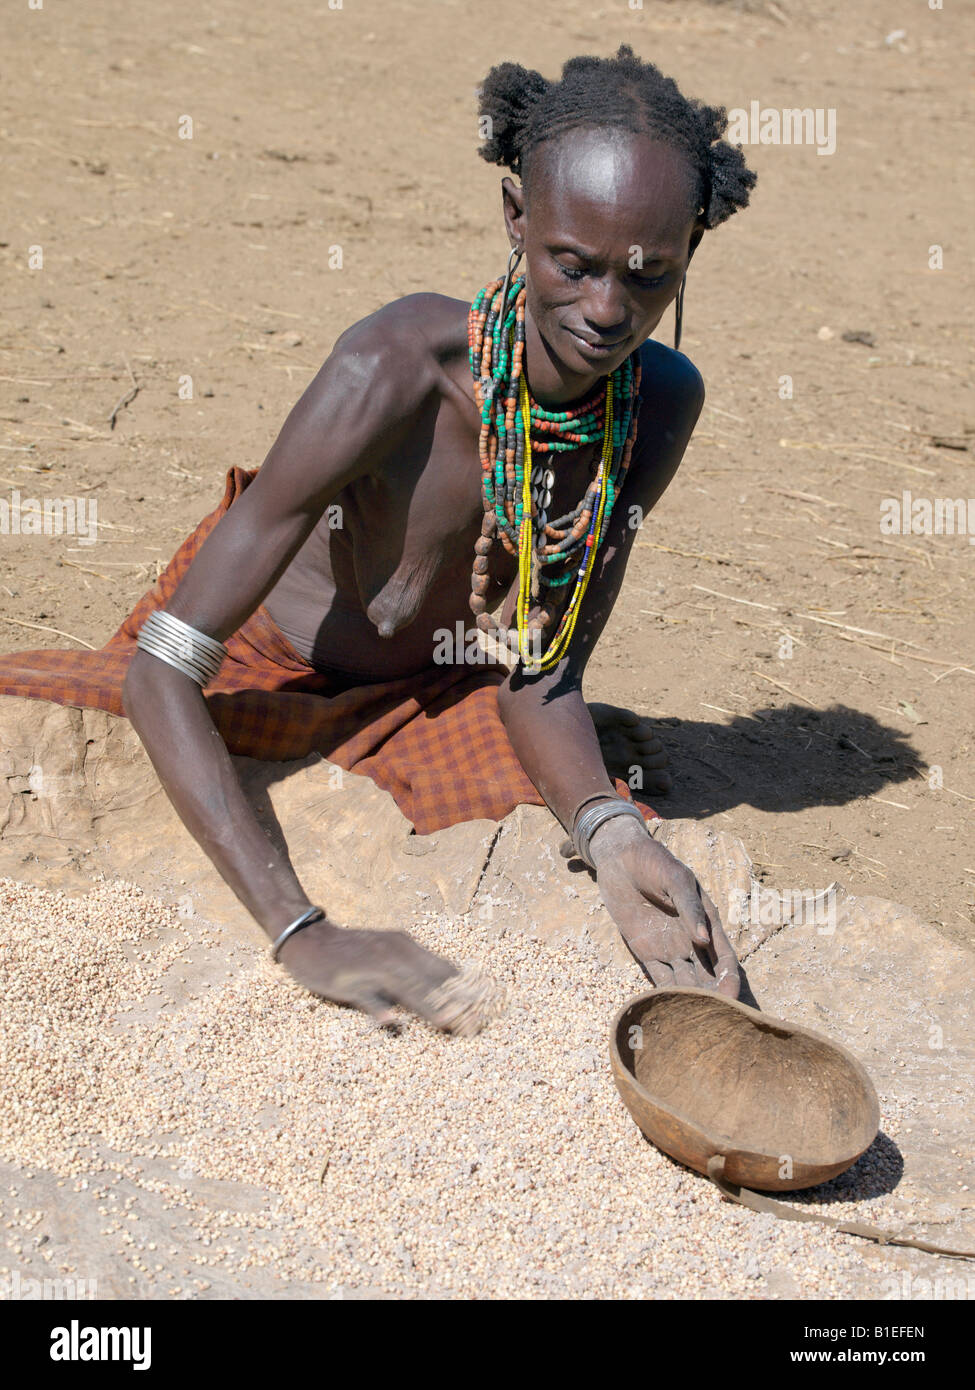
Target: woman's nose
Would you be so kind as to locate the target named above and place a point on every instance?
(605, 307)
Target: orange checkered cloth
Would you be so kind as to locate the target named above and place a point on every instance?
(434, 741)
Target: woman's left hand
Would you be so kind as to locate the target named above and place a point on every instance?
(665, 917)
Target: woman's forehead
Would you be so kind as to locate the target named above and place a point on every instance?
(595, 180)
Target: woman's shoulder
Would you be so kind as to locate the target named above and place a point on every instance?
(417, 325)
(394, 359)
(669, 376)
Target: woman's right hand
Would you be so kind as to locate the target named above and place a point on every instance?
(664, 916)
(375, 970)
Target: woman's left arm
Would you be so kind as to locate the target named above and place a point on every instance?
(668, 922)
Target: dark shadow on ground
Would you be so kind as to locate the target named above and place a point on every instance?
(875, 1174)
(785, 759)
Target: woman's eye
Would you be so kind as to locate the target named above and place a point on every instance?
(644, 282)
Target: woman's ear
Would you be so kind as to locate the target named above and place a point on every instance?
(513, 202)
(695, 240)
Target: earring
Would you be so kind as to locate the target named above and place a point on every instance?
(514, 260)
(679, 312)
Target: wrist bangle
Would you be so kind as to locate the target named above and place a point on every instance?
(593, 796)
(314, 914)
(591, 820)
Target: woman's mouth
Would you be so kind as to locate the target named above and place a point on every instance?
(596, 348)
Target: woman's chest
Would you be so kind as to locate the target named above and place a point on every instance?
(403, 539)
(398, 544)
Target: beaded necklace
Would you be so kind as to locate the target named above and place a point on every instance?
(516, 495)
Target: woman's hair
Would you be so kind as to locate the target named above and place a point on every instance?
(523, 109)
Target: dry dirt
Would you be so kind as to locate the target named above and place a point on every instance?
(315, 128)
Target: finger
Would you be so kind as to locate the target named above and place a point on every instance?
(425, 1000)
(713, 915)
(727, 972)
(434, 989)
(463, 1004)
(645, 727)
(661, 937)
(406, 962)
(703, 970)
(376, 1005)
(685, 894)
(729, 981)
(676, 895)
(724, 962)
(661, 974)
(690, 974)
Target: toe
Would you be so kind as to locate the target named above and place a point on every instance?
(613, 716)
(628, 720)
(652, 760)
(648, 740)
(658, 782)
(644, 729)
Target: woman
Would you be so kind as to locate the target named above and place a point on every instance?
(425, 432)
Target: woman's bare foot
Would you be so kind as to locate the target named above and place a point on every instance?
(629, 745)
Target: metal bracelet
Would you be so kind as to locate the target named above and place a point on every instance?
(168, 622)
(171, 640)
(314, 914)
(591, 820)
(593, 796)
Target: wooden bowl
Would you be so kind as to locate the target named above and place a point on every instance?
(704, 1075)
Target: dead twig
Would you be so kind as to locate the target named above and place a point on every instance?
(731, 599)
(209, 304)
(909, 656)
(850, 452)
(655, 613)
(729, 781)
(863, 631)
(961, 794)
(726, 413)
(40, 627)
(787, 688)
(328, 1159)
(698, 554)
(805, 497)
(74, 565)
(125, 400)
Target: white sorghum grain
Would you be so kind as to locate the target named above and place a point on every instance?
(408, 1163)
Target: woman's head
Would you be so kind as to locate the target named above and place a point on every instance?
(620, 177)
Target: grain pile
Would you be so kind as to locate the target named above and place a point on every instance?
(144, 1056)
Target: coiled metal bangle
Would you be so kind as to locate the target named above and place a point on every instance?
(171, 640)
(591, 820)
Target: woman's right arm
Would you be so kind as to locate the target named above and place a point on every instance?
(360, 405)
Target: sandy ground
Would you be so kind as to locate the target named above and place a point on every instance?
(247, 1140)
(168, 258)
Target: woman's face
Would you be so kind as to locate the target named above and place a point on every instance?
(608, 224)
